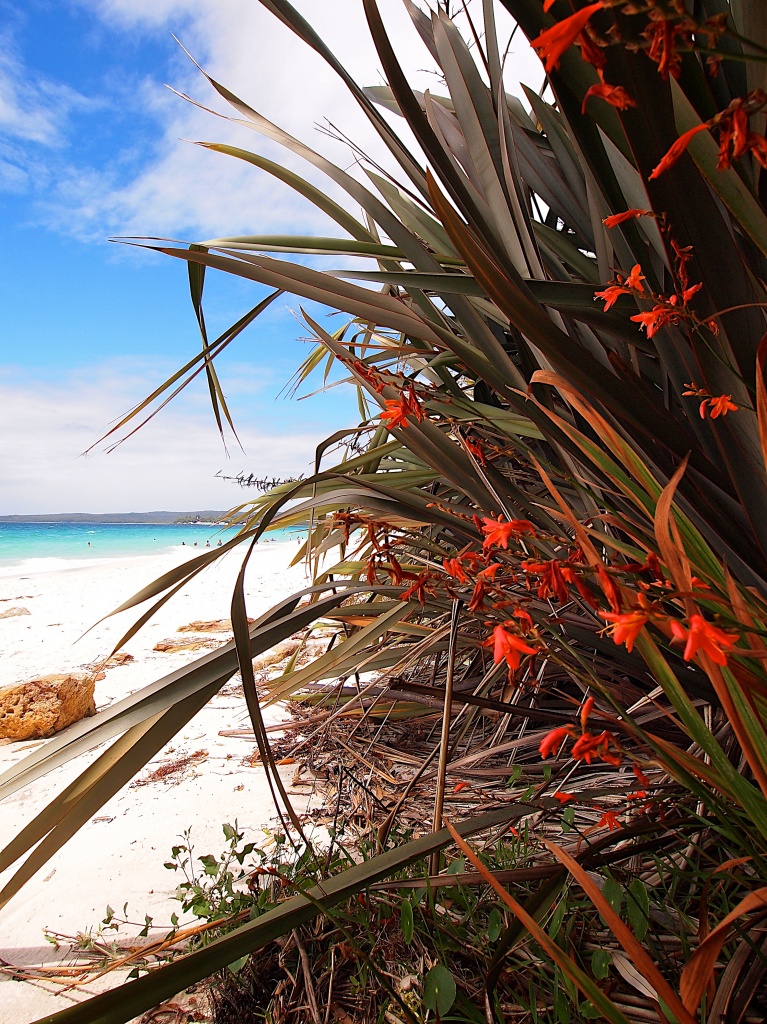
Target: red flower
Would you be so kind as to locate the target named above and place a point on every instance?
(476, 450)
(758, 146)
(676, 150)
(619, 218)
(615, 95)
(498, 532)
(369, 375)
(454, 568)
(562, 796)
(610, 588)
(662, 35)
(703, 636)
(478, 596)
(553, 740)
(553, 42)
(419, 589)
(507, 646)
(609, 820)
(592, 53)
(572, 576)
(626, 626)
(552, 582)
(734, 135)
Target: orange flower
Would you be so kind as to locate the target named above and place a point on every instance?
(676, 150)
(626, 626)
(553, 740)
(615, 95)
(641, 777)
(619, 218)
(586, 711)
(507, 646)
(489, 572)
(524, 617)
(655, 318)
(562, 796)
(552, 582)
(553, 42)
(635, 278)
(395, 413)
(703, 636)
(588, 746)
(397, 410)
(718, 406)
(611, 294)
(613, 291)
(498, 532)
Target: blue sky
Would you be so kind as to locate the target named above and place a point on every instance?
(90, 147)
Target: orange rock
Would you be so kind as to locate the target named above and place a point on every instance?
(41, 707)
(192, 643)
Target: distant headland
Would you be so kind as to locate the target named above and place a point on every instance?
(124, 518)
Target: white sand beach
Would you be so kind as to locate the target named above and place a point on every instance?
(119, 856)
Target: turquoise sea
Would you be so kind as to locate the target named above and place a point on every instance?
(47, 546)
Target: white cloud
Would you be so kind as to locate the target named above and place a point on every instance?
(33, 108)
(184, 191)
(170, 464)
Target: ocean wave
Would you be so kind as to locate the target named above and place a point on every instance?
(32, 566)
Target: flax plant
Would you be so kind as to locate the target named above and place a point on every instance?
(559, 358)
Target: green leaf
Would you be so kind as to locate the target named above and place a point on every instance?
(600, 964)
(589, 1011)
(439, 990)
(406, 921)
(494, 924)
(562, 1007)
(613, 893)
(557, 917)
(638, 908)
(128, 1001)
